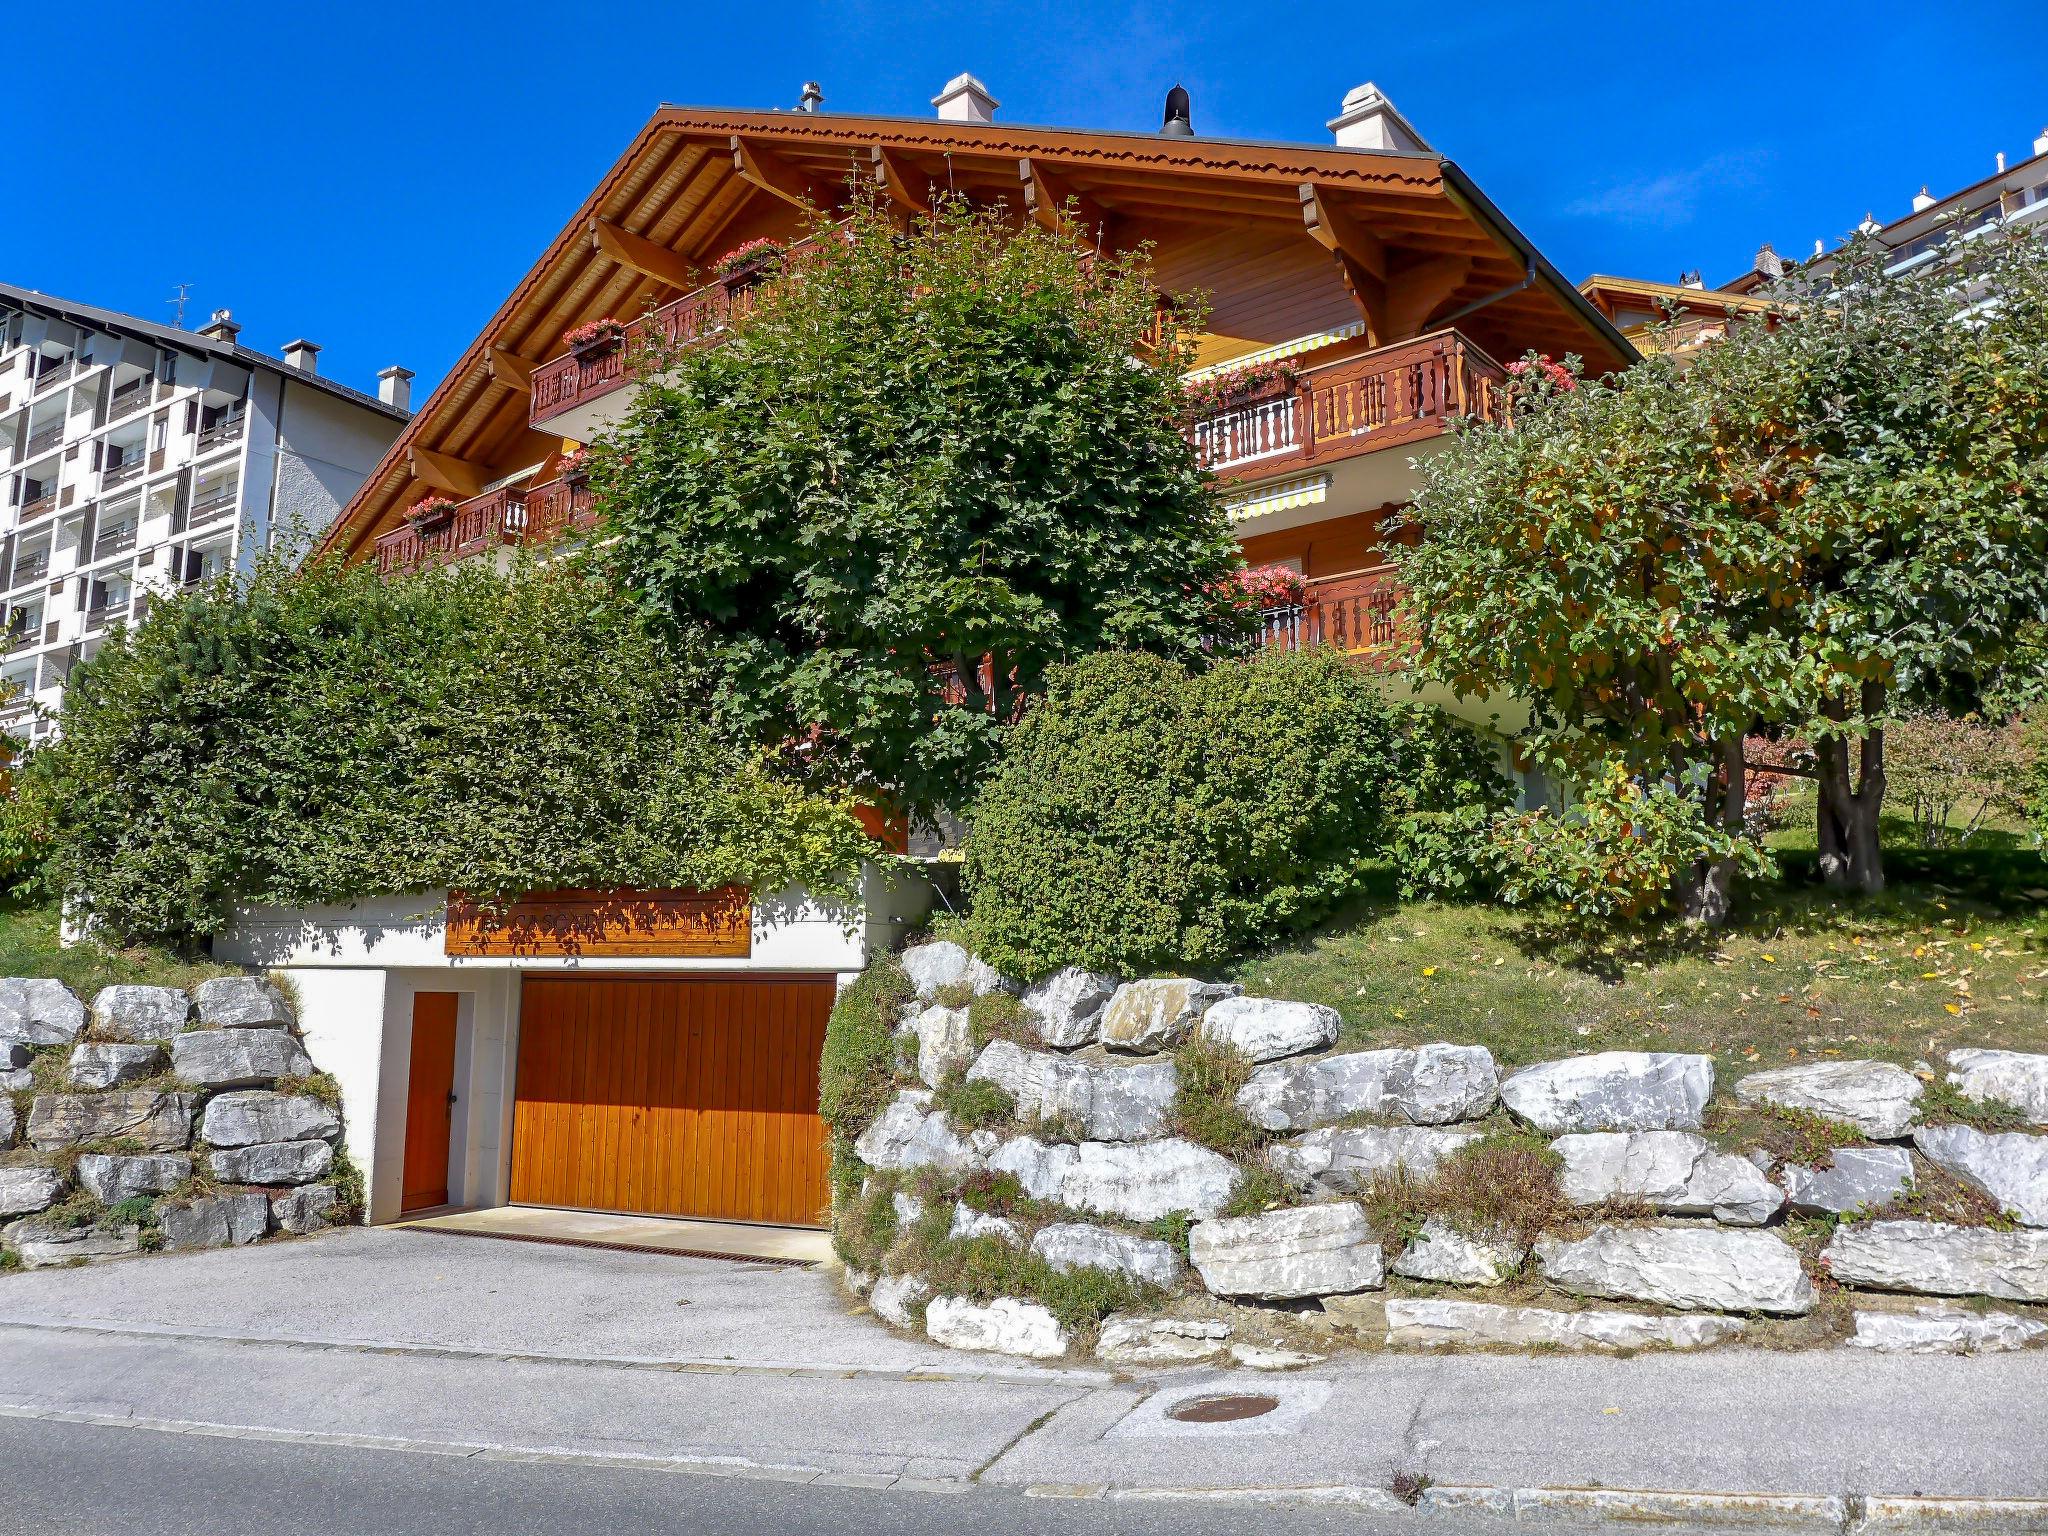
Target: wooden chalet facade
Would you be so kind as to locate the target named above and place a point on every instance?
(1382, 277)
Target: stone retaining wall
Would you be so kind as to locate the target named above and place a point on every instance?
(158, 1119)
(1691, 1229)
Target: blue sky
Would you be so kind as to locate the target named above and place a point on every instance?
(376, 176)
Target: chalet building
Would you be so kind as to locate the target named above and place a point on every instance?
(665, 1061)
(1672, 317)
(139, 459)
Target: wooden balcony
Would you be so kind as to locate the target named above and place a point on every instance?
(556, 509)
(578, 378)
(123, 472)
(1379, 399)
(1358, 613)
(481, 523)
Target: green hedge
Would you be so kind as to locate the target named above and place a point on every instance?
(322, 735)
(1144, 817)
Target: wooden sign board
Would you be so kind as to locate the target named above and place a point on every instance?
(635, 924)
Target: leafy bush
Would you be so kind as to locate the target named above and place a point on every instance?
(1954, 773)
(1145, 816)
(321, 735)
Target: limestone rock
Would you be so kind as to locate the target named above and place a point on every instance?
(24, 1191)
(250, 1115)
(1069, 1245)
(1431, 1085)
(1673, 1171)
(1260, 1357)
(894, 1296)
(1444, 1254)
(1037, 1166)
(1147, 1181)
(35, 1010)
(944, 1043)
(2012, 1168)
(95, 1066)
(1613, 1091)
(1066, 1008)
(1874, 1096)
(1432, 1324)
(7, 1119)
(216, 1221)
(1939, 1330)
(908, 1208)
(242, 1057)
(2014, 1077)
(1681, 1267)
(1267, 1028)
(970, 1223)
(309, 1208)
(110, 1180)
(1159, 1014)
(1856, 1179)
(159, 1122)
(1341, 1160)
(272, 1162)
(139, 1014)
(983, 978)
(1120, 1103)
(15, 1079)
(1937, 1259)
(1005, 1326)
(905, 1135)
(1159, 1340)
(1316, 1250)
(858, 1281)
(934, 967)
(43, 1246)
(240, 1002)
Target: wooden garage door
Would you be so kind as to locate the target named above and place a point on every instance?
(672, 1097)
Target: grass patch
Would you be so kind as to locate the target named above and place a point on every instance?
(1935, 1194)
(1205, 1104)
(1259, 1191)
(29, 946)
(1955, 953)
(975, 1104)
(1502, 1186)
(984, 1268)
(865, 1224)
(319, 1086)
(857, 1071)
(1795, 1135)
(1941, 1102)
(999, 1016)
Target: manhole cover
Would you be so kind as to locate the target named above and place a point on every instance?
(1222, 1410)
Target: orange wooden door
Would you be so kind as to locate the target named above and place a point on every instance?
(672, 1097)
(429, 1100)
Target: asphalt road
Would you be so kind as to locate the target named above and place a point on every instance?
(70, 1480)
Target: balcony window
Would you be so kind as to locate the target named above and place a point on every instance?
(31, 563)
(131, 396)
(45, 434)
(213, 496)
(106, 600)
(221, 424)
(202, 563)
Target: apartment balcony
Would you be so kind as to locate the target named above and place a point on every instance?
(208, 508)
(114, 541)
(43, 438)
(557, 509)
(227, 430)
(26, 571)
(129, 397)
(1358, 614)
(1379, 399)
(483, 522)
(579, 394)
(54, 372)
(120, 474)
(99, 616)
(40, 506)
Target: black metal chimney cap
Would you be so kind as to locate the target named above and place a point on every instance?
(1177, 124)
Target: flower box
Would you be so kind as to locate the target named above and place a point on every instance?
(430, 514)
(594, 336)
(745, 265)
(1241, 387)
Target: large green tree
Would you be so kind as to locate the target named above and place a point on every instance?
(1807, 528)
(926, 465)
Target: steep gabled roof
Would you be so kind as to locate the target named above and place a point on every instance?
(696, 182)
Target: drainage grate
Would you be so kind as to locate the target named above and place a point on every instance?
(585, 1242)
(1226, 1409)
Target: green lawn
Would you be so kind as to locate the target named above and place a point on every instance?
(29, 947)
(1954, 953)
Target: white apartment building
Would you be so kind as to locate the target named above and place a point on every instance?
(139, 459)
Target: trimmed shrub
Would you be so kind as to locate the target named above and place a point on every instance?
(1146, 817)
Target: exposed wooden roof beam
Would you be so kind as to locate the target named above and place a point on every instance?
(1359, 255)
(774, 175)
(1056, 206)
(901, 185)
(1418, 289)
(640, 255)
(445, 472)
(510, 370)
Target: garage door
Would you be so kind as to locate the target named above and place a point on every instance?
(672, 1097)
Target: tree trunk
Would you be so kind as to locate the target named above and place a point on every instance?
(1706, 895)
(1850, 856)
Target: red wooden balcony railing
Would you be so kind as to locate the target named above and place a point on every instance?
(481, 523)
(576, 377)
(1359, 614)
(557, 508)
(1376, 400)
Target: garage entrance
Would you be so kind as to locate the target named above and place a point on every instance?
(672, 1096)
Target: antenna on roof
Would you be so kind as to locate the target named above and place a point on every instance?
(177, 302)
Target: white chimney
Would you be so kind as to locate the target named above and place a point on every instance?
(2001, 162)
(394, 387)
(965, 100)
(1370, 121)
(812, 98)
(2041, 144)
(1922, 200)
(302, 355)
(1869, 226)
(221, 327)
(1691, 279)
